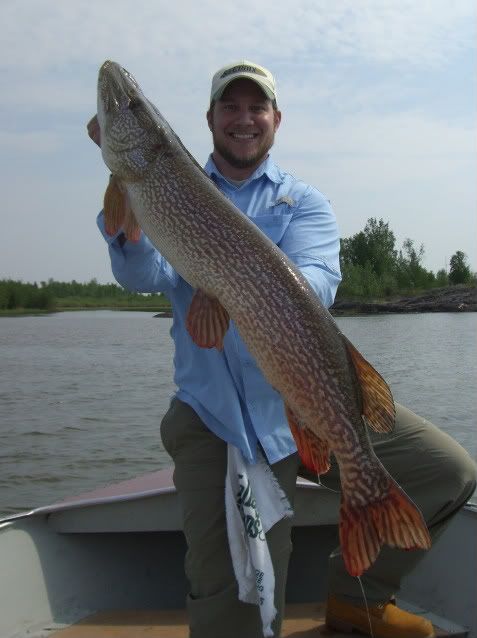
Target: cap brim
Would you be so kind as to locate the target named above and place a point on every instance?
(266, 90)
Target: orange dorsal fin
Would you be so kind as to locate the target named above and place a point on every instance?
(394, 520)
(118, 212)
(314, 452)
(207, 321)
(377, 400)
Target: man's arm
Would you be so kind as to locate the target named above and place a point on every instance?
(138, 266)
(312, 242)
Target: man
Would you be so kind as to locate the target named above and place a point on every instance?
(223, 398)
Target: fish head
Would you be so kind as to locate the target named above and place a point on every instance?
(132, 138)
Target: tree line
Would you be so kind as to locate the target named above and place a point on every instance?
(372, 268)
(52, 295)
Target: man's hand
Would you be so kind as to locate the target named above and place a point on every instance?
(94, 131)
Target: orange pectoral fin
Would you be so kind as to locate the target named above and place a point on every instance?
(207, 321)
(314, 452)
(377, 400)
(114, 205)
(118, 212)
(131, 228)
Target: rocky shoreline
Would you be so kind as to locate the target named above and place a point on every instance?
(451, 299)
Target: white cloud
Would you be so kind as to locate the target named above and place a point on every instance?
(51, 51)
(360, 118)
(415, 172)
(30, 142)
(401, 135)
(36, 91)
(48, 33)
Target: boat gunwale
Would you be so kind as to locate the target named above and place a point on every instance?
(155, 484)
(160, 483)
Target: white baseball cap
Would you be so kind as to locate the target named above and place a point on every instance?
(243, 69)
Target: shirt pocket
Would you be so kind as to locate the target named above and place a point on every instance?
(273, 225)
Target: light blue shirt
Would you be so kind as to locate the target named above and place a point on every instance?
(227, 389)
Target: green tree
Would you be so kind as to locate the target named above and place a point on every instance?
(375, 245)
(459, 272)
(410, 272)
(442, 278)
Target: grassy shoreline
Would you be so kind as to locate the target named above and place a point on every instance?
(450, 299)
(22, 312)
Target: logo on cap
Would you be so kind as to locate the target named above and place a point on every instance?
(242, 68)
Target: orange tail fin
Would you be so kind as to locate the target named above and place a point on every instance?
(394, 521)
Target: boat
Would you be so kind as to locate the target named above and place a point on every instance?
(110, 563)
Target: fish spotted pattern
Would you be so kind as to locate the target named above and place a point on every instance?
(331, 393)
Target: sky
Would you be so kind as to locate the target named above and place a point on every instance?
(378, 101)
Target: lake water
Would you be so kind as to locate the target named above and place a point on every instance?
(82, 393)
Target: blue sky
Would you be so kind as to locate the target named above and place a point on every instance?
(378, 100)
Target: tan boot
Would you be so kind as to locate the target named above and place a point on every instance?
(387, 621)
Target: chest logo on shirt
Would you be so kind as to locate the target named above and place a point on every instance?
(285, 199)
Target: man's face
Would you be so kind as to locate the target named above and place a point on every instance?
(243, 124)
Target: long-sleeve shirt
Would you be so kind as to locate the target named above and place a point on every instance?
(227, 389)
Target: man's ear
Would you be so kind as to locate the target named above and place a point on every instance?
(277, 117)
(210, 119)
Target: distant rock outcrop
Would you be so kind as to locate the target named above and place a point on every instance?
(451, 299)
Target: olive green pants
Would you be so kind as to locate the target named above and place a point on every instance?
(430, 466)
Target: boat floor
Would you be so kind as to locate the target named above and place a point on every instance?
(301, 621)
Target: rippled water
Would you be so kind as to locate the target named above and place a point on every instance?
(82, 394)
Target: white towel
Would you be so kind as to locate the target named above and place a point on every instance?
(254, 502)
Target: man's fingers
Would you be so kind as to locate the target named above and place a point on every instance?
(94, 131)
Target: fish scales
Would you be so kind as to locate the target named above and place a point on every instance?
(245, 292)
(239, 273)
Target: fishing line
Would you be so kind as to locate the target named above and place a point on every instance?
(366, 605)
(320, 484)
(337, 552)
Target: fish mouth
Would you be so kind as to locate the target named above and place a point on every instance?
(118, 91)
(112, 69)
(117, 88)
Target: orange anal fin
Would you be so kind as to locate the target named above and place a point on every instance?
(314, 452)
(114, 206)
(377, 400)
(207, 321)
(394, 520)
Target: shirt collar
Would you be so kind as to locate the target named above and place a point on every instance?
(267, 167)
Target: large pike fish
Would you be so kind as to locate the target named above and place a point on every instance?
(331, 393)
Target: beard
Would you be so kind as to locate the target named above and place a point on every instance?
(248, 160)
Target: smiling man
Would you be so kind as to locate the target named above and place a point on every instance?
(243, 118)
(222, 397)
